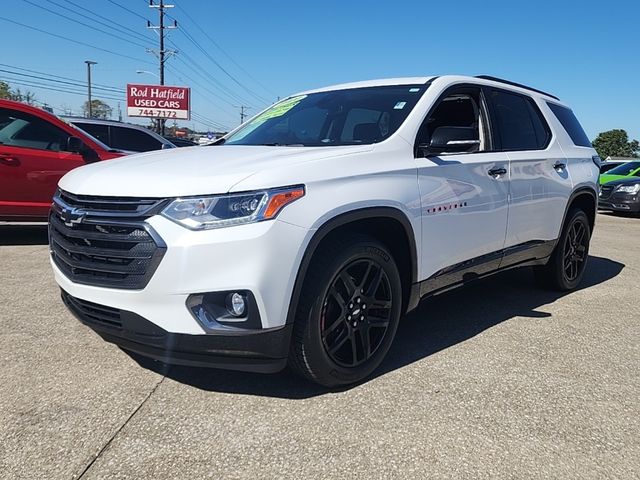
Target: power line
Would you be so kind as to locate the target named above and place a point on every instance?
(196, 83)
(49, 87)
(118, 28)
(207, 77)
(186, 14)
(217, 64)
(14, 22)
(128, 10)
(119, 90)
(84, 24)
(73, 83)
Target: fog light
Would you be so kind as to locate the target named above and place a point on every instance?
(236, 304)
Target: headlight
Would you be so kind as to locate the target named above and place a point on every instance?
(635, 188)
(216, 211)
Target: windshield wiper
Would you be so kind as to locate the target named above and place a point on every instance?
(283, 144)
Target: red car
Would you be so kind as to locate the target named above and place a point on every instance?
(36, 150)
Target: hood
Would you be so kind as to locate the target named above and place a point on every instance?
(191, 170)
(624, 181)
(606, 178)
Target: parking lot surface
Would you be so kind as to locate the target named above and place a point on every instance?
(496, 380)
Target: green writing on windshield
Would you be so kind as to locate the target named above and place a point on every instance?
(276, 111)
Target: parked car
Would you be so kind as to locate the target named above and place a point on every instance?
(620, 195)
(305, 236)
(123, 136)
(607, 165)
(36, 150)
(181, 142)
(626, 170)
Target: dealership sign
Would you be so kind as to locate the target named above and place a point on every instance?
(158, 101)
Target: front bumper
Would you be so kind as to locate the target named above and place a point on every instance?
(620, 203)
(262, 258)
(263, 351)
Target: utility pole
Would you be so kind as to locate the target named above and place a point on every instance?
(162, 53)
(242, 114)
(89, 63)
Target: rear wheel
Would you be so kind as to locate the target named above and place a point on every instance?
(348, 312)
(568, 261)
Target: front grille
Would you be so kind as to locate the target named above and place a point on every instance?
(104, 241)
(111, 206)
(93, 313)
(605, 191)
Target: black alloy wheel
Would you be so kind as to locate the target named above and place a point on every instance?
(348, 312)
(356, 313)
(568, 262)
(575, 250)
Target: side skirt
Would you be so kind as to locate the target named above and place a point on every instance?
(536, 252)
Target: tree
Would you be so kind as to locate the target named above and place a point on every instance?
(99, 109)
(7, 93)
(27, 97)
(615, 143)
(5, 90)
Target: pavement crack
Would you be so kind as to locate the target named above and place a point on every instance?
(117, 432)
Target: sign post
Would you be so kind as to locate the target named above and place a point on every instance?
(158, 101)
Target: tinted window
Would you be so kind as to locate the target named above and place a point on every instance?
(460, 109)
(570, 124)
(19, 129)
(625, 168)
(101, 132)
(341, 117)
(134, 140)
(520, 124)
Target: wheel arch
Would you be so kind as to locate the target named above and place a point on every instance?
(587, 199)
(365, 220)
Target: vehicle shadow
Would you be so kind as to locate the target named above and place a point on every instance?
(11, 235)
(438, 323)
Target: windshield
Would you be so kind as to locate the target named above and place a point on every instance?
(624, 169)
(357, 116)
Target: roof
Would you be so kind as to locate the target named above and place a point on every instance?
(481, 79)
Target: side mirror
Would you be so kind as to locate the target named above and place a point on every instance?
(452, 140)
(74, 144)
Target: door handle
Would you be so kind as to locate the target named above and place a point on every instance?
(496, 172)
(559, 166)
(9, 160)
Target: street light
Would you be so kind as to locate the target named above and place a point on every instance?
(150, 73)
(89, 63)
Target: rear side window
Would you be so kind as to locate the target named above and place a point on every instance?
(101, 132)
(625, 168)
(134, 140)
(570, 123)
(19, 129)
(520, 124)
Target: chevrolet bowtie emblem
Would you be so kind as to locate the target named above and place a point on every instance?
(71, 217)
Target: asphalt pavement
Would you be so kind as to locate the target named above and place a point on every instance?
(497, 380)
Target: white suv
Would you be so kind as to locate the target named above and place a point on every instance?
(304, 235)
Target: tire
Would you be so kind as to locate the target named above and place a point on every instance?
(334, 324)
(568, 262)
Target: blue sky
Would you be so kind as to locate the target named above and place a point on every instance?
(584, 52)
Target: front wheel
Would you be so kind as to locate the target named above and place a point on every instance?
(568, 261)
(348, 312)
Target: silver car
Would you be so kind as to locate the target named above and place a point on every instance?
(125, 137)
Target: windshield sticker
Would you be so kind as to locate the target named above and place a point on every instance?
(399, 105)
(275, 111)
(414, 90)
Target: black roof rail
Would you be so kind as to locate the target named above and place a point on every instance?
(508, 82)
